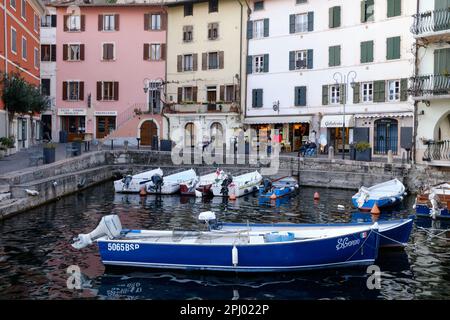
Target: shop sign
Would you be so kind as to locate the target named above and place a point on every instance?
(105, 113)
(71, 112)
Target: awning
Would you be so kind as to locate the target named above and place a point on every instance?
(275, 119)
(335, 121)
(385, 115)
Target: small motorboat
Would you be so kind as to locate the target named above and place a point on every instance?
(170, 184)
(278, 188)
(202, 186)
(266, 251)
(434, 202)
(384, 194)
(237, 186)
(134, 183)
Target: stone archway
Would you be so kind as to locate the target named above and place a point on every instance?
(189, 134)
(216, 134)
(442, 128)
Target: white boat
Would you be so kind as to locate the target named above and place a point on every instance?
(170, 184)
(133, 183)
(237, 186)
(383, 195)
(202, 186)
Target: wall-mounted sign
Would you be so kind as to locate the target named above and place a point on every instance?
(71, 112)
(105, 113)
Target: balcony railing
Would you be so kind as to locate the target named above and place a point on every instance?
(437, 151)
(431, 21)
(202, 108)
(430, 85)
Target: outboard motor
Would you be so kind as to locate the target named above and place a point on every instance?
(109, 226)
(157, 182)
(126, 181)
(267, 183)
(225, 183)
(210, 219)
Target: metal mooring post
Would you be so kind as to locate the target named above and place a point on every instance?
(112, 144)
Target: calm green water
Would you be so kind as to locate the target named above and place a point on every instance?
(35, 252)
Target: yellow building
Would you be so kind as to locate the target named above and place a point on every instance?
(205, 76)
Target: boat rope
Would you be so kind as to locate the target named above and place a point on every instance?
(438, 235)
(362, 245)
(414, 245)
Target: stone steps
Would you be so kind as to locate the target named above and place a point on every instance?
(4, 188)
(4, 197)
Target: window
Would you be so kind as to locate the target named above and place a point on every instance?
(367, 10)
(108, 51)
(48, 52)
(108, 90)
(334, 56)
(213, 60)
(36, 22)
(188, 62)
(213, 6)
(73, 90)
(259, 5)
(301, 22)
(188, 94)
(74, 23)
(258, 64)
(13, 40)
(188, 9)
(335, 17)
(367, 91)
(213, 31)
(45, 87)
(155, 22)
(12, 4)
(73, 52)
(394, 8)
(301, 59)
(155, 51)
(393, 90)
(229, 93)
(301, 1)
(109, 22)
(36, 58)
(48, 21)
(188, 33)
(257, 98)
(393, 48)
(23, 9)
(24, 48)
(300, 96)
(366, 51)
(335, 94)
(258, 29)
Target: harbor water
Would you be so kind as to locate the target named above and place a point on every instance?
(35, 251)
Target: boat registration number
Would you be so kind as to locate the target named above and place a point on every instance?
(123, 246)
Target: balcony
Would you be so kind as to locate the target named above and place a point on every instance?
(432, 25)
(430, 87)
(202, 108)
(437, 153)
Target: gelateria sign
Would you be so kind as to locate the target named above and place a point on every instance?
(336, 121)
(71, 112)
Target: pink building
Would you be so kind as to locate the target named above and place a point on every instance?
(111, 71)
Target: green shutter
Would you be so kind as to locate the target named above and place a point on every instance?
(369, 51)
(442, 61)
(292, 23)
(330, 56)
(302, 101)
(266, 27)
(311, 21)
(266, 63)
(331, 17)
(249, 29)
(363, 11)
(260, 98)
(356, 92)
(310, 59)
(291, 60)
(325, 95)
(403, 89)
(296, 96)
(343, 94)
(337, 55)
(337, 17)
(334, 56)
(366, 51)
(394, 8)
(393, 48)
(391, 8)
(379, 91)
(249, 64)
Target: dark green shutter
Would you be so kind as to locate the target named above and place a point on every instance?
(393, 48)
(249, 29)
(311, 21)
(390, 8)
(334, 58)
(297, 96)
(356, 88)
(366, 51)
(403, 89)
(302, 101)
(330, 56)
(343, 94)
(310, 58)
(363, 11)
(442, 61)
(266, 27)
(254, 98)
(249, 64)
(334, 17)
(266, 63)
(363, 58)
(379, 91)
(324, 95)
(291, 60)
(394, 8)
(330, 17)
(259, 98)
(292, 23)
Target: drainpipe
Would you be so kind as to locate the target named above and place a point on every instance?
(416, 103)
(5, 41)
(244, 80)
(165, 77)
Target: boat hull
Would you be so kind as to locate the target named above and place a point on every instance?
(423, 210)
(277, 192)
(205, 190)
(355, 249)
(137, 182)
(381, 203)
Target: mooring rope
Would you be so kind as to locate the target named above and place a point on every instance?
(431, 236)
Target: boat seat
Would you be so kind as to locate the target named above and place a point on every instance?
(256, 239)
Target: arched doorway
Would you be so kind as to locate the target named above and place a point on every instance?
(385, 136)
(148, 131)
(189, 135)
(217, 134)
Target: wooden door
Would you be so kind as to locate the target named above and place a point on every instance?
(105, 125)
(148, 131)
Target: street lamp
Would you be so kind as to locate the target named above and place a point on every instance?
(344, 80)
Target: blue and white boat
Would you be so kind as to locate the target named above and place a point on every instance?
(393, 233)
(384, 194)
(265, 251)
(134, 183)
(170, 184)
(434, 202)
(278, 188)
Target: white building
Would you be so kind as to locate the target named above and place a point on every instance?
(48, 71)
(431, 86)
(296, 46)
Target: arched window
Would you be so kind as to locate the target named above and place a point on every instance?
(217, 133)
(385, 136)
(189, 135)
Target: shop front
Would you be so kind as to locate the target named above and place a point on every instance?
(105, 123)
(333, 133)
(73, 124)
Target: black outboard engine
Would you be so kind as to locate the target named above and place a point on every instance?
(225, 183)
(157, 181)
(126, 181)
(267, 185)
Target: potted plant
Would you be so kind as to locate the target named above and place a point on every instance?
(8, 143)
(49, 152)
(363, 151)
(3, 151)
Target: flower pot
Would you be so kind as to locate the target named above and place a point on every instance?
(365, 155)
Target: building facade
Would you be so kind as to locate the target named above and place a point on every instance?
(205, 70)
(318, 69)
(19, 53)
(430, 87)
(111, 71)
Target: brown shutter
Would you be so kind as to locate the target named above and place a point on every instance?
(82, 52)
(110, 51)
(66, 18)
(83, 22)
(105, 51)
(179, 63)
(100, 22)
(204, 60)
(64, 93)
(235, 92)
(116, 91)
(163, 51)
(81, 92)
(222, 93)
(146, 21)
(195, 62)
(99, 90)
(180, 94)
(163, 21)
(116, 22)
(53, 52)
(221, 58)
(194, 94)
(65, 51)
(146, 51)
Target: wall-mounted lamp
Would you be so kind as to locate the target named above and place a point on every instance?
(426, 102)
(422, 112)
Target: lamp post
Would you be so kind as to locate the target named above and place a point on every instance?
(344, 80)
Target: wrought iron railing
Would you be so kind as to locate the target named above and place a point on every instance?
(431, 21)
(430, 85)
(437, 150)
